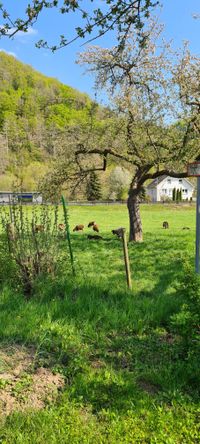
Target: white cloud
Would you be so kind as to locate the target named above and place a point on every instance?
(9, 52)
(30, 31)
(196, 16)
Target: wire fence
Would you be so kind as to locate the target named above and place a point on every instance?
(14, 199)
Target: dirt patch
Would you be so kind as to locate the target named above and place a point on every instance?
(97, 363)
(168, 338)
(22, 386)
(148, 387)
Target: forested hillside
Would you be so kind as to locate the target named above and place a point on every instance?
(34, 109)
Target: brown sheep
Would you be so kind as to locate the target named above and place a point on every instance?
(38, 228)
(78, 228)
(95, 228)
(61, 227)
(94, 237)
(118, 232)
(165, 224)
(91, 224)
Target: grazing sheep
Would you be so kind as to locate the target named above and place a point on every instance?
(38, 228)
(61, 227)
(165, 224)
(95, 228)
(118, 232)
(78, 228)
(94, 237)
(91, 224)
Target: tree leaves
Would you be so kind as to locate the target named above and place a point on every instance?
(112, 15)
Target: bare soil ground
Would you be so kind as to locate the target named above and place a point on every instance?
(22, 386)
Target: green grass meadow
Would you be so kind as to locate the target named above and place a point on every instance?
(126, 377)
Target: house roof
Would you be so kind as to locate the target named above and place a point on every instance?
(160, 179)
(156, 181)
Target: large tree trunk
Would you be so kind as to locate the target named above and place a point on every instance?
(134, 216)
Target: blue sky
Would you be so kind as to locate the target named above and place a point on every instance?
(175, 14)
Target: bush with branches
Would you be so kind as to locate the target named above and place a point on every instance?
(30, 240)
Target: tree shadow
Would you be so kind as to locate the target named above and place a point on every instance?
(155, 263)
(129, 355)
(135, 372)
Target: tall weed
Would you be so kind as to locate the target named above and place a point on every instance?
(31, 242)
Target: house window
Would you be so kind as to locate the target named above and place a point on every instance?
(185, 191)
(169, 180)
(180, 181)
(164, 190)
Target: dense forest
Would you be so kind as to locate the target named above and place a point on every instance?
(34, 109)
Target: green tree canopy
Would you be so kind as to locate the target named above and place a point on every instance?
(93, 188)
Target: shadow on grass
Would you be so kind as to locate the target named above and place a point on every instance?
(135, 371)
(155, 264)
(113, 345)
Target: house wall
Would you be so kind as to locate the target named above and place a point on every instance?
(165, 188)
(37, 198)
(4, 198)
(152, 193)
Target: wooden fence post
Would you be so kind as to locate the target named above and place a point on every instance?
(126, 258)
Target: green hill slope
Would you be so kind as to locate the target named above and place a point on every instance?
(33, 109)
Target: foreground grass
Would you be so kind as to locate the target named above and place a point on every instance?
(127, 380)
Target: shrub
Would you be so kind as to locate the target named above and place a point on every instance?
(177, 195)
(30, 240)
(165, 198)
(186, 323)
(187, 320)
(174, 194)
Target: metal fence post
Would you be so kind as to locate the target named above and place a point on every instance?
(197, 267)
(68, 235)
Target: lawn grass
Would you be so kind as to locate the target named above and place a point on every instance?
(126, 377)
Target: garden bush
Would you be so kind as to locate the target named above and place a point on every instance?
(30, 241)
(186, 323)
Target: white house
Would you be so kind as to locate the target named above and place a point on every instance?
(162, 188)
